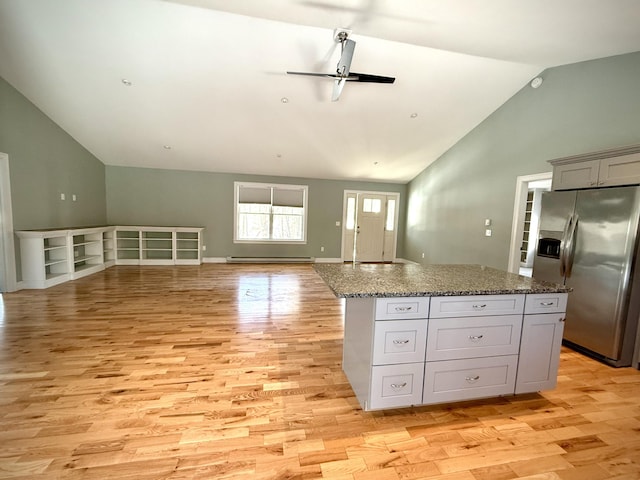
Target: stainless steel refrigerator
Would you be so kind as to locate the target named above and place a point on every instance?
(588, 240)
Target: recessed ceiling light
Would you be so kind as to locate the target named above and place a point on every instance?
(167, 147)
(375, 163)
(413, 115)
(536, 82)
(126, 82)
(278, 155)
(284, 100)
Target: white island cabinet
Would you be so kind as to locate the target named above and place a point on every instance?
(450, 348)
(402, 351)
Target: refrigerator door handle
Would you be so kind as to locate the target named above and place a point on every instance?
(570, 247)
(563, 246)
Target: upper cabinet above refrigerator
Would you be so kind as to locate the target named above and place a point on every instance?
(600, 169)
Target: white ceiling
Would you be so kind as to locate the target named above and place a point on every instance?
(208, 76)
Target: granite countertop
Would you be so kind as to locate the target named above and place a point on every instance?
(413, 280)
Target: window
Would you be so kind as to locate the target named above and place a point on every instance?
(391, 215)
(351, 213)
(266, 213)
(371, 205)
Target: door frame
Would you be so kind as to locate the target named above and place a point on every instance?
(396, 195)
(7, 248)
(517, 225)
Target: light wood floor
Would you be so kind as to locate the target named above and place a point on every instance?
(233, 371)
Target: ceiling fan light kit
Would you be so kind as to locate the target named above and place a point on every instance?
(343, 73)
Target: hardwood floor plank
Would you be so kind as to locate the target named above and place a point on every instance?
(234, 371)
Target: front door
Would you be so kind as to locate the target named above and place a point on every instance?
(370, 220)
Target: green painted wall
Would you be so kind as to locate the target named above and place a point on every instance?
(142, 196)
(44, 161)
(579, 108)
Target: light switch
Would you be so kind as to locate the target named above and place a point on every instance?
(487, 232)
(62, 196)
(487, 222)
(337, 224)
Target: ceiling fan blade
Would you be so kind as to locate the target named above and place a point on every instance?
(365, 77)
(344, 64)
(309, 74)
(337, 89)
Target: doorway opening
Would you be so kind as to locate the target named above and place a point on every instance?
(7, 255)
(369, 226)
(526, 213)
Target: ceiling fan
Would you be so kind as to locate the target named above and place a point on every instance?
(343, 74)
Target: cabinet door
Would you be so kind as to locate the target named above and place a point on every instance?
(402, 308)
(476, 305)
(623, 170)
(539, 352)
(396, 386)
(546, 303)
(576, 175)
(399, 341)
(455, 380)
(470, 337)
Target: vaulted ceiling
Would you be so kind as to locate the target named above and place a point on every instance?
(202, 84)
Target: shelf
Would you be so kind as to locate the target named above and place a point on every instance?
(50, 257)
(57, 247)
(54, 262)
(86, 258)
(93, 242)
(79, 268)
(51, 276)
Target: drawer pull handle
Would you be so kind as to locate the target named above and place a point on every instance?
(398, 386)
(404, 309)
(480, 306)
(547, 304)
(475, 338)
(401, 342)
(473, 379)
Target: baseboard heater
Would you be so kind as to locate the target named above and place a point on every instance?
(270, 259)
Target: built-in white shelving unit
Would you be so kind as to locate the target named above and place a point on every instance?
(127, 246)
(188, 251)
(50, 257)
(108, 246)
(86, 252)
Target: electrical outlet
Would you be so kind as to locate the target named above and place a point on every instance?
(204, 248)
(62, 196)
(73, 197)
(422, 254)
(487, 232)
(322, 249)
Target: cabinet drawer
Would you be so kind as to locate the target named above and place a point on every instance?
(454, 380)
(402, 307)
(396, 385)
(546, 303)
(399, 341)
(468, 337)
(476, 305)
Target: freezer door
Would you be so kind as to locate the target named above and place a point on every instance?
(556, 209)
(604, 244)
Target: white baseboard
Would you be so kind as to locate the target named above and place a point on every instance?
(404, 260)
(214, 260)
(328, 260)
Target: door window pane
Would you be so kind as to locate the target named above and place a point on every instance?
(351, 213)
(391, 215)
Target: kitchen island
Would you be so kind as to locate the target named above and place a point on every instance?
(426, 334)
